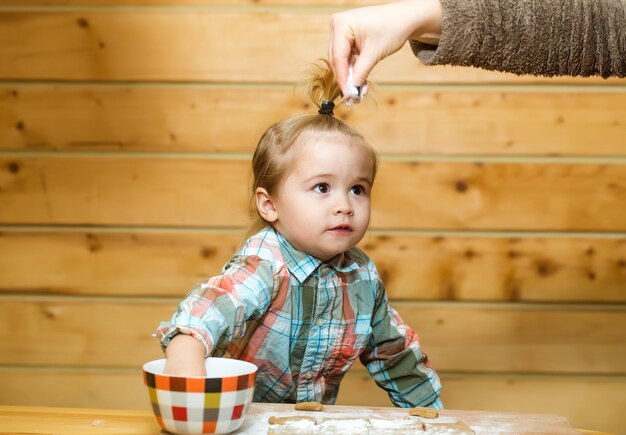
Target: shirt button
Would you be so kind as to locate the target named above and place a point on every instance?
(308, 375)
(320, 322)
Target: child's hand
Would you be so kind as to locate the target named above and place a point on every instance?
(185, 357)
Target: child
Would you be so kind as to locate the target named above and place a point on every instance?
(298, 299)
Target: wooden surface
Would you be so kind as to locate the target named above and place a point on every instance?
(148, 191)
(126, 130)
(75, 421)
(496, 338)
(105, 45)
(68, 421)
(414, 267)
(488, 392)
(206, 119)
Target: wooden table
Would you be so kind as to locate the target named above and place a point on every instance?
(74, 421)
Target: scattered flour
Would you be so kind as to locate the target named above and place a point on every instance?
(347, 426)
(353, 423)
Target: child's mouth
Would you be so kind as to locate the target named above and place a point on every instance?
(342, 229)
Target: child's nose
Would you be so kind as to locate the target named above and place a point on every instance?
(344, 206)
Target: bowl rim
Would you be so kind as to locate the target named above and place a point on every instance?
(252, 368)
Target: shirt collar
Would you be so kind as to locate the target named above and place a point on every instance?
(302, 265)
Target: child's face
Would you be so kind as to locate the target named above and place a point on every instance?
(323, 204)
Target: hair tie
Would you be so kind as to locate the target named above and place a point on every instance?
(326, 108)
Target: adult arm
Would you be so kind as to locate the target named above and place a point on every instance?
(547, 37)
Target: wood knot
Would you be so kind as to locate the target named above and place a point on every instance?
(51, 312)
(13, 167)
(591, 275)
(82, 22)
(93, 244)
(20, 125)
(613, 186)
(546, 268)
(207, 252)
(461, 186)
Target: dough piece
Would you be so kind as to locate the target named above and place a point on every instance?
(290, 419)
(457, 428)
(309, 406)
(297, 424)
(424, 412)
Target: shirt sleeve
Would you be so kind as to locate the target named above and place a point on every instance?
(395, 360)
(215, 311)
(549, 38)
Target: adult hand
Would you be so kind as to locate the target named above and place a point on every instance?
(363, 37)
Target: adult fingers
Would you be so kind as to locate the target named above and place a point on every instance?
(340, 50)
(362, 67)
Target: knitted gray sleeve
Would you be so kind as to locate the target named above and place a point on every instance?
(539, 37)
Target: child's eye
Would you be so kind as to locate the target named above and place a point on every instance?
(357, 190)
(322, 188)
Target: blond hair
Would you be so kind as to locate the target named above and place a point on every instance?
(274, 152)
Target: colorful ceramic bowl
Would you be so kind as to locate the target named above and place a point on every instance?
(217, 403)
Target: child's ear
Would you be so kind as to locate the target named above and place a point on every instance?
(265, 205)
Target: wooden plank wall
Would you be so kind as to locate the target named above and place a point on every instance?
(126, 130)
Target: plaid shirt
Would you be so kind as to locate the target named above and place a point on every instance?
(304, 322)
